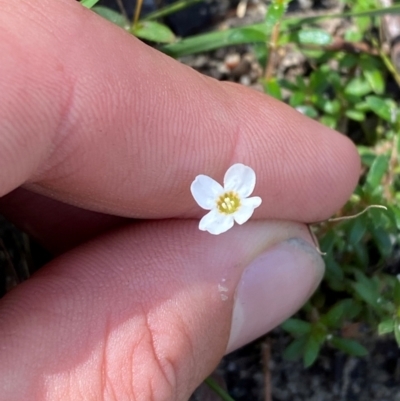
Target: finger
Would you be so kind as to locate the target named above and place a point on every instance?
(110, 124)
(146, 312)
(55, 225)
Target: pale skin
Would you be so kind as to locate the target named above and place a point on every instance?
(115, 130)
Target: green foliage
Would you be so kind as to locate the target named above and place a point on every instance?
(89, 3)
(113, 16)
(153, 31)
(361, 293)
(145, 29)
(316, 37)
(349, 346)
(218, 389)
(214, 40)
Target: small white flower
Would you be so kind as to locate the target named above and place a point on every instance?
(229, 203)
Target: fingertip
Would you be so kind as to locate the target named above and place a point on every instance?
(281, 279)
(117, 129)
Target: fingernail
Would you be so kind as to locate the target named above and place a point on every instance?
(272, 288)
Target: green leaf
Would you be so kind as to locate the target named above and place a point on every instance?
(359, 6)
(317, 37)
(362, 278)
(307, 110)
(361, 252)
(358, 86)
(385, 327)
(366, 289)
(382, 240)
(273, 88)
(342, 310)
(329, 106)
(291, 86)
(381, 108)
(291, 22)
(301, 83)
(334, 316)
(338, 313)
(153, 31)
(214, 386)
(296, 326)
(311, 351)
(333, 268)
(349, 346)
(335, 285)
(358, 229)
(353, 310)
(295, 349)
(377, 171)
(396, 292)
(376, 80)
(353, 35)
(397, 331)
(329, 121)
(256, 33)
(394, 211)
(327, 242)
(355, 115)
(261, 53)
(367, 155)
(215, 40)
(360, 105)
(378, 218)
(319, 81)
(275, 12)
(89, 3)
(112, 16)
(295, 21)
(297, 99)
(348, 61)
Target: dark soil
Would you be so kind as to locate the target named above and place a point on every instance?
(258, 372)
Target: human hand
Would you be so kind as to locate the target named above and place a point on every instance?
(93, 118)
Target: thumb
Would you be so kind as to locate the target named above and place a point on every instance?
(146, 312)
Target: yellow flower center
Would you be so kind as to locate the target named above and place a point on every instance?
(228, 203)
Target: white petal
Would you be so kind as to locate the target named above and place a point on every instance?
(216, 223)
(205, 191)
(241, 179)
(247, 209)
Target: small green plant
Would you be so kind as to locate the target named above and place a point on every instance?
(358, 290)
(146, 28)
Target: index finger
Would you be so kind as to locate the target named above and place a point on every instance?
(93, 117)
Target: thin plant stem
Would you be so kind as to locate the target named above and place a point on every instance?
(170, 9)
(336, 219)
(315, 240)
(272, 47)
(138, 9)
(353, 216)
(122, 9)
(217, 389)
(266, 358)
(386, 60)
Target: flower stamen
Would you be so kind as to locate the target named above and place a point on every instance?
(228, 203)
